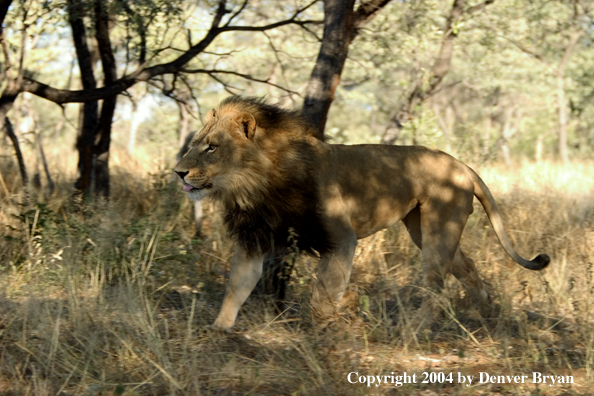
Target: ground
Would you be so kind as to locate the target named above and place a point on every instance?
(117, 298)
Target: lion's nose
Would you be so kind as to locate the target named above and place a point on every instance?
(181, 174)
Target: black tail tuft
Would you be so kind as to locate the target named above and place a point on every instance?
(540, 262)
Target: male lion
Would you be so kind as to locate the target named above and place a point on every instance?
(271, 174)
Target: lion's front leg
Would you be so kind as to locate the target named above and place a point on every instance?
(334, 271)
(245, 273)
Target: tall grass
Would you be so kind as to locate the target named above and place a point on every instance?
(117, 298)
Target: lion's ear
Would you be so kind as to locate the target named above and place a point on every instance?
(248, 122)
(211, 114)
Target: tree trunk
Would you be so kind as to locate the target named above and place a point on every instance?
(184, 123)
(134, 123)
(18, 153)
(486, 146)
(561, 102)
(338, 25)
(508, 130)
(341, 26)
(88, 118)
(48, 175)
(103, 133)
(7, 99)
(94, 135)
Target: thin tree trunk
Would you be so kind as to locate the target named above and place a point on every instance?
(486, 146)
(102, 184)
(88, 119)
(184, 123)
(134, 123)
(18, 152)
(561, 102)
(509, 129)
(50, 181)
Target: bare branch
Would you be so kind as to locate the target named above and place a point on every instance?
(229, 53)
(300, 10)
(235, 14)
(226, 87)
(278, 59)
(525, 49)
(242, 75)
(311, 33)
(192, 96)
(365, 13)
(269, 26)
(60, 96)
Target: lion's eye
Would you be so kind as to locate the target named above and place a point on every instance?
(210, 148)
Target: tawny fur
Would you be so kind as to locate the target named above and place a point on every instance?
(276, 179)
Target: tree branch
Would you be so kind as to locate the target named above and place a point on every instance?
(61, 96)
(365, 13)
(235, 14)
(269, 26)
(526, 50)
(242, 75)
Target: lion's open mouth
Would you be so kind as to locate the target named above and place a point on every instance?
(187, 187)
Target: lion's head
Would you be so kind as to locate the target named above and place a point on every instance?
(259, 160)
(218, 154)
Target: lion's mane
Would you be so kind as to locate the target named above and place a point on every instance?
(282, 197)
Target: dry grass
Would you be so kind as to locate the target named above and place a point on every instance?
(117, 299)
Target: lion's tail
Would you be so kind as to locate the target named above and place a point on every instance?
(481, 191)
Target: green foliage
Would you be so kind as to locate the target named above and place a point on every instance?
(503, 69)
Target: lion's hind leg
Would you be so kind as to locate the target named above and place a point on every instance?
(437, 265)
(436, 227)
(464, 270)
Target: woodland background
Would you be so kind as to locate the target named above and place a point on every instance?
(108, 279)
